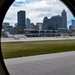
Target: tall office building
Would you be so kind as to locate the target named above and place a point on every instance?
(21, 15)
(32, 25)
(58, 22)
(5, 24)
(53, 23)
(73, 22)
(39, 26)
(64, 19)
(28, 23)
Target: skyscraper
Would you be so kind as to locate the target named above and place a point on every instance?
(28, 23)
(64, 19)
(21, 15)
(5, 24)
(58, 22)
(39, 26)
(53, 23)
(73, 22)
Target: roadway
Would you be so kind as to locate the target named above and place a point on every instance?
(35, 39)
(49, 64)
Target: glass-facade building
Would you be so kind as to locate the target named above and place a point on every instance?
(21, 18)
(73, 22)
(55, 22)
(28, 23)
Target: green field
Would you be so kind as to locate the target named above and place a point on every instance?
(20, 49)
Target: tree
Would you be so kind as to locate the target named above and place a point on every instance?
(20, 31)
(3, 34)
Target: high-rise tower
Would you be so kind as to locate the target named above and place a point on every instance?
(21, 19)
(64, 19)
(28, 23)
(73, 22)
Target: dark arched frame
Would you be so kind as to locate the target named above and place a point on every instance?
(4, 6)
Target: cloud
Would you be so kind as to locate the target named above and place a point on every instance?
(20, 0)
(17, 4)
(36, 10)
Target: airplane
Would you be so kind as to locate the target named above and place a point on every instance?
(64, 36)
(15, 36)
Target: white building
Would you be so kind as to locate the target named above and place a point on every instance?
(39, 25)
(28, 23)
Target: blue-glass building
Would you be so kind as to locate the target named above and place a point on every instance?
(58, 22)
(21, 18)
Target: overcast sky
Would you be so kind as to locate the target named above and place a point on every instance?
(36, 10)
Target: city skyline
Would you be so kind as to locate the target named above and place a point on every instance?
(36, 10)
(58, 22)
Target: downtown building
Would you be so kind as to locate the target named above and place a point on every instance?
(58, 22)
(72, 26)
(6, 27)
(21, 19)
(28, 22)
(73, 22)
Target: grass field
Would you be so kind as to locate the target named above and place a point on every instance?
(20, 49)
